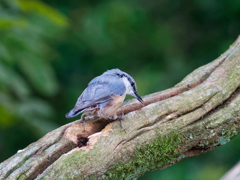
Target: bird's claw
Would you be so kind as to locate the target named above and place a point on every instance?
(82, 120)
(120, 118)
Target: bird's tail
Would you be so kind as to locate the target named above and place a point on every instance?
(72, 113)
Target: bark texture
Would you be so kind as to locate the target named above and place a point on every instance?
(199, 114)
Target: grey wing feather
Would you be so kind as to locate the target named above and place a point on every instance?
(117, 86)
(99, 91)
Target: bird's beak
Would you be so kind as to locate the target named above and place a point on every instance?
(136, 95)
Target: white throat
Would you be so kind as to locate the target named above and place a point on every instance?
(128, 86)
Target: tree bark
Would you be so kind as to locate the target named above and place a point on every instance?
(199, 114)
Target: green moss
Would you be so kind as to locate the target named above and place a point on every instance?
(91, 177)
(18, 166)
(23, 176)
(150, 156)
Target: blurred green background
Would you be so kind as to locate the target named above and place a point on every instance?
(51, 49)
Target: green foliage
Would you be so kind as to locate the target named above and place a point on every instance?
(25, 69)
(43, 9)
(6, 23)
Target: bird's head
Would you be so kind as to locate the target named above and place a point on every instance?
(131, 87)
(129, 82)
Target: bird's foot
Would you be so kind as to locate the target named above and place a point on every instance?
(120, 118)
(82, 120)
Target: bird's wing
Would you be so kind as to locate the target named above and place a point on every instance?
(99, 91)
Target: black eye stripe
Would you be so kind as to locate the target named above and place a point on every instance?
(129, 79)
(120, 75)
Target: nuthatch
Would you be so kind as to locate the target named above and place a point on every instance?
(104, 95)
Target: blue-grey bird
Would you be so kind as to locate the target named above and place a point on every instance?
(104, 95)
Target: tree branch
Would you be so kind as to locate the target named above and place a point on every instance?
(199, 114)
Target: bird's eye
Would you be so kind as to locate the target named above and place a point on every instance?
(132, 84)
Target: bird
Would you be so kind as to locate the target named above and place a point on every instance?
(104, 95)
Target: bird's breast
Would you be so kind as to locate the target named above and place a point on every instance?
(110, 109)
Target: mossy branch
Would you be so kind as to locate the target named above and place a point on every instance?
(199, 114)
